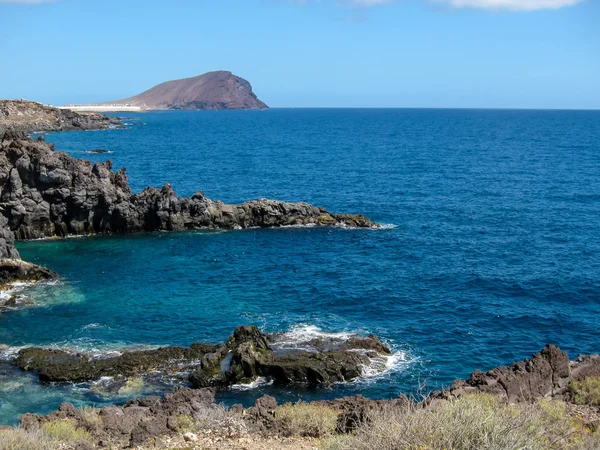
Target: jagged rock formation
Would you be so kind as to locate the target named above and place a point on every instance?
(547, 374)
(46, 193)
(212, 90)
(29, 117)
(247, 355)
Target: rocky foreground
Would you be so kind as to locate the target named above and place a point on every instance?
(475, 413)
(45, 193)
(30, 117)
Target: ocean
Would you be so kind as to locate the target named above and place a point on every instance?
(490, 247)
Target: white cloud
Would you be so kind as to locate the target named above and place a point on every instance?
(369, 2)
(511, 5)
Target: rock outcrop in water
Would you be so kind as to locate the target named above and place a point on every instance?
(247, 355)
(212, 90)
(46, 193)
(29, 117)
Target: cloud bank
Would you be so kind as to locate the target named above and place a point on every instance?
(26, 2)
(511, 5)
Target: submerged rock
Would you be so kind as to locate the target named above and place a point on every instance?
(98, 150)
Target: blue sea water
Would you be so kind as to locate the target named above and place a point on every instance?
(491, 249)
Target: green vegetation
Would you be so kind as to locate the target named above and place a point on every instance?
(49, 437)
(17, 439)
(586, 391)
(65, 431)
(305, 419)
(472, 422)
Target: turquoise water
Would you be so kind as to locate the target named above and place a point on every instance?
(491, 249)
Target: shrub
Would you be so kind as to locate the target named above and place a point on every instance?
(305, 419)
(213, 417)
(471, 422)
(18, 439)
(65, 431)
(185, 424)
(586, 391)
(91, 417)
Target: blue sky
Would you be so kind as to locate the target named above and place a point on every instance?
(348, 53)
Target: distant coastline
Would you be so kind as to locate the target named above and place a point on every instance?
(103, 108)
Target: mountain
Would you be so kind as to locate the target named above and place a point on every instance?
(213, 90)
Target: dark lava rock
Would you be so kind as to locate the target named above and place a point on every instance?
(251, 355)
(61, 366)
(246, 356)
(547, 374)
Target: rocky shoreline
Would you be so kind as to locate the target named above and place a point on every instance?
(548, 375)
(30, 117)
(44, 193)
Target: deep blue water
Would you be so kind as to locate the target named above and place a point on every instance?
(493, 248)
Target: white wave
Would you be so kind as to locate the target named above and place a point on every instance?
(382, 365)
(95, 326)
(8, 353)
(260, 381)
(302, 337)
(305, 337)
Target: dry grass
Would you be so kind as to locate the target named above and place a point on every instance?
(91, 417)
(213, 418)
(586, 391)
(65, 431)
(18, 439)
(307, 420)
(472, 422)
(51, 436)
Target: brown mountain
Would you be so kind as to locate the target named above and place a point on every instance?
(213, 90)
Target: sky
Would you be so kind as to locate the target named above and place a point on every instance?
(309, 53)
